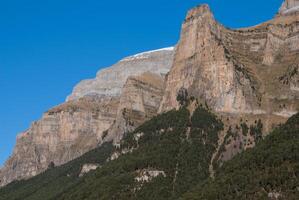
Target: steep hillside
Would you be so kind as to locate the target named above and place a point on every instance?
(169, 157)
(249, 72)
(109, 81)
(119, 99)
(139, 102)
(55, 181)
(269, 171)
(248, 78)
(161, 159)
(64, 133)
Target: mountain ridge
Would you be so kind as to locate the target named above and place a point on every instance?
(109, 81)
(81, 123)
(248, 78)
(168, 157)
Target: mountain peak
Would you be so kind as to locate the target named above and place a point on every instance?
(109, 81)
(199, 11)
(289, 7)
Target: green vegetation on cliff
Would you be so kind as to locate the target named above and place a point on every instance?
(174, 144)
(55, 181)
(169, 157)
(268, 171)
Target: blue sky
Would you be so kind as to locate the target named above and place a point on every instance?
(47, 46)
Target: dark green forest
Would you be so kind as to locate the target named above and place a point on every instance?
(272, 167)
(181, 146)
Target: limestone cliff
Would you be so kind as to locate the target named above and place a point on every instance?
(139, 102)
(237, 71)
(207, 70)
(64, 133)
(109, 81)
(289, 7)
(249, 77)
(79, 125)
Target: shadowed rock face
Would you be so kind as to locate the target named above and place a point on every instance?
(139, 102)
(237, 72)
(79, 125)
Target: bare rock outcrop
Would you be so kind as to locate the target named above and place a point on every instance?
(237, 72)
(96, 106)
(289, 7)
(249, 77)
(86, 168)
(110, 81)
(139, 102)
(205, 67)
(64, 133)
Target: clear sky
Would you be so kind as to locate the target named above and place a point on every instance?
(47, 46)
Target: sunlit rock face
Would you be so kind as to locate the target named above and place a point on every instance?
(204, 66)
(119, 98)
(62, 134)
(241, 75)
(109, 81)
(249, 71)
(244, 76)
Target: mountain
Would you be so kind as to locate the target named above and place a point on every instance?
(250, 71)
(139, 102)
(64, 133)
(151, 162)
(224, 94)
(249, 76)
(110, 81)
(289, 7)
(128, 92)
(269, 171)
(168, 157)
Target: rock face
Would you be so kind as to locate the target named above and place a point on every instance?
(252, 71)
(87, 168)
(139, 102)
(109, 82)
(64, 133)
(289, 7)
(205, 68)
(249, 77)
(96, 106)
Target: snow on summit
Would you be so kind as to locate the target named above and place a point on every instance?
(146, 54)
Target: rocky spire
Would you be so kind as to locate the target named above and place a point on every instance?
(289, 6)
(199, 12)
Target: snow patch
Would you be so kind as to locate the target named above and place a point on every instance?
(145, 55)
